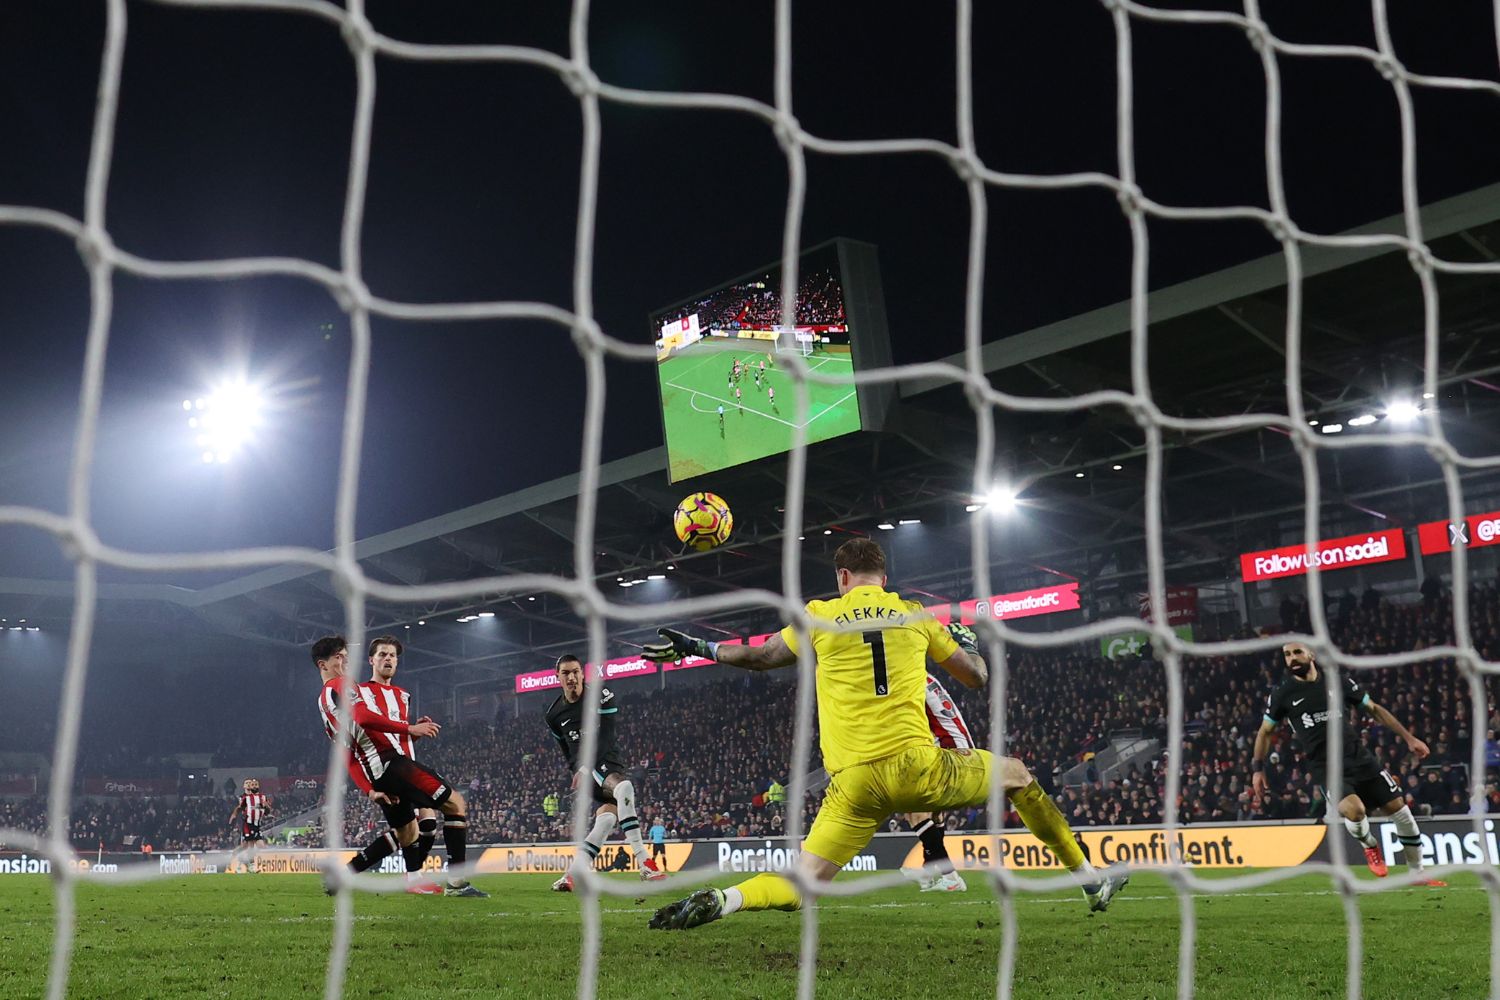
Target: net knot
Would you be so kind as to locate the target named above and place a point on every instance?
(79, 542)
(1280, 231)
(94, 246)
(357, 32)
(587, 336)
(1389, 68)
(1420, 257)
(1130, 198)
(352, 293)
(788, 131)
(1258, 35)
(582, 81)
(965, 165)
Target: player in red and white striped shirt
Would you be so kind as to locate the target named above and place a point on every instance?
(256, 808)
(401, 782)
(381, 695)
(331, 655)
(948, 730)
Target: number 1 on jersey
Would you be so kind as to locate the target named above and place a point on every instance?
(877, 656)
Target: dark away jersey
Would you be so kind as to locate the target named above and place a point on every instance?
(1303, 705)
(565, 720)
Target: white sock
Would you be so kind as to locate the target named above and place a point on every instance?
(733, 900)
(1361, 832)
(604, 825)
(629, 825)
(1410, 837)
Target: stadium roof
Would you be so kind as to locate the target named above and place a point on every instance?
(1216, 348)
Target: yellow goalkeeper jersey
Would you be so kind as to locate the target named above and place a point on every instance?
(872, 681)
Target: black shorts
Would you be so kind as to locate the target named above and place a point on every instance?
(1374, 785)
(252, 832)
(398, 815)
(413, 784)
(601, 774)
(658, 849)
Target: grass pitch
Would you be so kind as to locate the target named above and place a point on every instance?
(695, 383)
(268, 935)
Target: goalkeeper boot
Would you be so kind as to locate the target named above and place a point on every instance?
(702, 907)
(1100, 893)
(650, 872)
(464, 889)
(564, 884)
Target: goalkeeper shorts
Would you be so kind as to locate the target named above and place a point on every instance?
(922, 778)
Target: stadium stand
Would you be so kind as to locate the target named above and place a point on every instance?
(705, 754)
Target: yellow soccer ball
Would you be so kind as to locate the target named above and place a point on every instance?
(703, 521)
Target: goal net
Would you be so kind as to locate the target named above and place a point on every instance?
(104, 260)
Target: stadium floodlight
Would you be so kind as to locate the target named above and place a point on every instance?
(1001, 499)
(886, 526)
(1078, 475)
(910, 520)
(1332, 428)
(423, 622)
(972, 507)
(1426, 395)
(1403, 411)
(225, 420)
(669, 566)
(657, 576)
(1117, 467)
(485, 614)
(1363, 420)
(827, 531)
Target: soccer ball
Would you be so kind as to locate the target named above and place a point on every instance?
(703, 521)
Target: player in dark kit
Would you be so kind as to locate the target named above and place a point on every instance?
(1302, 702)
(606, 776)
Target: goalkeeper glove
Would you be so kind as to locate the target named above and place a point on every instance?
(965, 637)
(676, 645)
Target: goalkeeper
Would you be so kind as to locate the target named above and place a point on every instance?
(874, 736)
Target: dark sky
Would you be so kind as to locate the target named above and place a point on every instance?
(233, 140)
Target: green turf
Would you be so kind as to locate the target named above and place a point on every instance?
(268, 935)
(695, 382)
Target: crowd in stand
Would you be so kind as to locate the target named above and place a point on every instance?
(704, 755)
(756, 305)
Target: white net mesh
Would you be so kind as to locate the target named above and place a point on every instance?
(103, 259)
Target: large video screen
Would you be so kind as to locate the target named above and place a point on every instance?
(726, 397)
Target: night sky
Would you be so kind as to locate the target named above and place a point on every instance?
(233, 140)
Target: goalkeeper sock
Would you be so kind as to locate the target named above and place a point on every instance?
(456, 841)
(764, 892)
(1410, 837)
(934, 847)
(381, 848)
(1361, 832)
(630, 826)
(604, 825)
(1040, 814)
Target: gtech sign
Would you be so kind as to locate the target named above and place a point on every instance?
(1333, 553)
(1473, 532)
